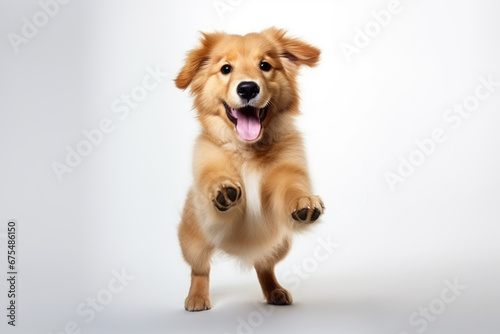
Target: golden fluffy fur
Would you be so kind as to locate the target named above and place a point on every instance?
(251, 188)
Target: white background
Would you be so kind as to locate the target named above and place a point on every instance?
(119, 209)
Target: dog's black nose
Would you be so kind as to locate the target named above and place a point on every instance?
(248, 90)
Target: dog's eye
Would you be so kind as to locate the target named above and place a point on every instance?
(265, 66)
(226, 69)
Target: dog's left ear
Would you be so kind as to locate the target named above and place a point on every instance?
(195, 60)
(293, 49)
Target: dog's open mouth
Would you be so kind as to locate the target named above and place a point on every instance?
(248, 120)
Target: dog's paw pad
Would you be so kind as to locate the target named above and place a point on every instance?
(308, 209)
(302, 214)
(227, 196)
(315, 215)
(232, 194)
(221, 199)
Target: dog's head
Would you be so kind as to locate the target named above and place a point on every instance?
(245, 83)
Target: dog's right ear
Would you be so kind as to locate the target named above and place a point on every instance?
(293, 49)
(195, 60)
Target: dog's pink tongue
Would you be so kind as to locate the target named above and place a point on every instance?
(248, 126)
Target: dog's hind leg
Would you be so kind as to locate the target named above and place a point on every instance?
(273, 291)
(197, 253)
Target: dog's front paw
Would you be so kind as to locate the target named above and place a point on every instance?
(308, 209)
(196, 303)
(225, 195)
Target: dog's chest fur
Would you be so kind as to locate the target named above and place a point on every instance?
(252, 178)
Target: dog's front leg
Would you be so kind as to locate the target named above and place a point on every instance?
(287, 194)
(216, 177)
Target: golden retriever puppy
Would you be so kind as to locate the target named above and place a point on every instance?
(251, 184)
